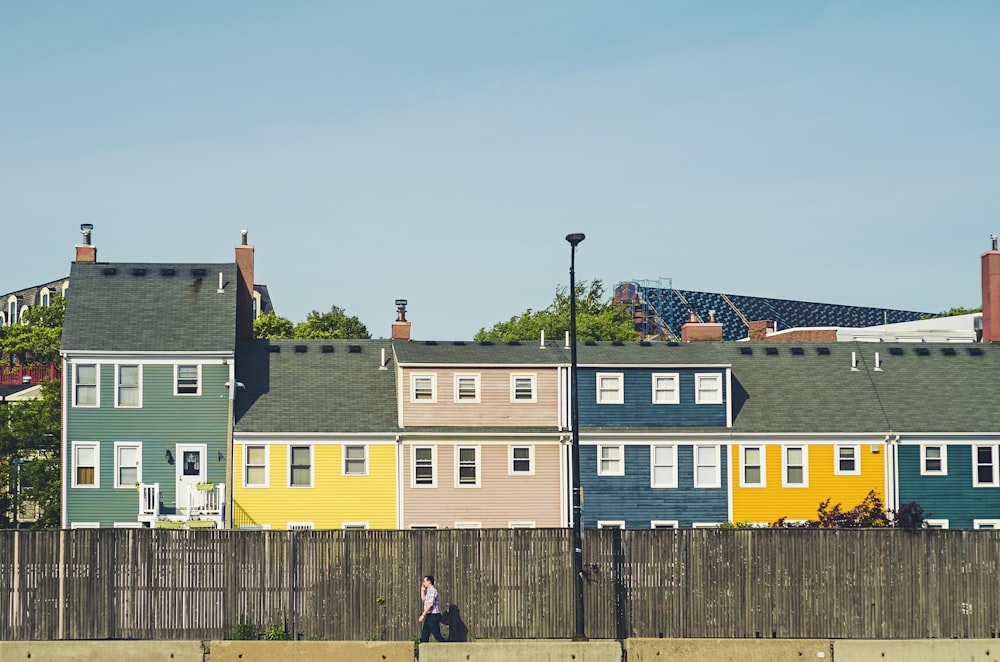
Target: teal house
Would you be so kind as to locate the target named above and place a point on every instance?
(148, 358)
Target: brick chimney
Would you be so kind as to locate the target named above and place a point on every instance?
(244, 289)
(400, 328)
(86, 252)
(991, 293)
(694, 331)
(758, 329)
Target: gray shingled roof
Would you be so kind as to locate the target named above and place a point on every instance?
(315, 390)
(150, 307)
(525, 352)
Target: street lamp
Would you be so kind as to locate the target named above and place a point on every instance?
(574, 413)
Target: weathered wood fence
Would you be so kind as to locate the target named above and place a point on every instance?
(163, 584)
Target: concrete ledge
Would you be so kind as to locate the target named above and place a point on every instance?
(102, 651)
(747, 650)
(518, 650)
(310, 651)
(916, 650)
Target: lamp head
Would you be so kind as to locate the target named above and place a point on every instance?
(575, 238)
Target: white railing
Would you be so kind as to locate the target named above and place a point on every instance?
(149, 501)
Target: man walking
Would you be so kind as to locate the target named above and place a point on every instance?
(431, 615)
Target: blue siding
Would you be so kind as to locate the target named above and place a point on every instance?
(630, 497)
(951, 497)
(638, 409)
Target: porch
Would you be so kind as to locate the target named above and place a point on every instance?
(201, 508)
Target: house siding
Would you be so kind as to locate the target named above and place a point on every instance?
(951, 497)
(638, 410)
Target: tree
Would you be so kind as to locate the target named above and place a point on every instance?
(270, 325)
(596, 319)
(334, 324)
(870, 513)
(36, 342)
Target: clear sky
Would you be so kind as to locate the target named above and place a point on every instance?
(439, 151)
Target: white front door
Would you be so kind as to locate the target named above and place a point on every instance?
(191, 471)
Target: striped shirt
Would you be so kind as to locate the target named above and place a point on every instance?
(431, 598)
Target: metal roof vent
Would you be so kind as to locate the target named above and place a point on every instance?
(354, 349)
(301, 349)
(327, 349)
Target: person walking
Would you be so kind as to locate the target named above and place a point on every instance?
(431, 615)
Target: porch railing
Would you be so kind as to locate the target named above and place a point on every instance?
(19, 374)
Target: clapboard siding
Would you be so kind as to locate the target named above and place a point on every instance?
(951, 497)
(638, 408)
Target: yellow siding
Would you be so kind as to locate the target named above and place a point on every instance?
(767, 504)
(332, 500)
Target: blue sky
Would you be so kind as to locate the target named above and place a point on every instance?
(839, 152)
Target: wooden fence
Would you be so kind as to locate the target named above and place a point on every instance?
(166, 584)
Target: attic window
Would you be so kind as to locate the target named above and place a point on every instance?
(167, 272)
(896, 351)
(198, 273)
(274, 349)
(798, 351)
(771, 351)
(301, 349)
(974, 351)
(109, 271)
(923, 351)
(746, 351)
(823, 351)
(327, 349)
(354, 349)
(139, 272)
(948, 351)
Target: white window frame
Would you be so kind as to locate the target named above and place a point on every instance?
(664, 524)
(616, 397)
(986, 524)
(424, 527)
(312, 466)
(620, 470)
(300, 526)
(924, 471)
(177, 379)
(995, 469)
(521, 524)
(935, 524)
(267, 466)
(45, 297)
(84, 525)
(96, 385)
(477, 465)
(716, 481)
(512, 469)
(432, 381)
(137, 447)
(610, 524)
(785, 465)
(468, 525)
(96, 447)
(343, 460)
(703, 395)
(762, 464)
(532, 378)
(413, 467)
(674, 393)
(354, 526)
(119, 386)
(464, 376)
(837, 471)
(705, 525)
(255, 527)
(671, 482)
(12, 309)
(127, 525)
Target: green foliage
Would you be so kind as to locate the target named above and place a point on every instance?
(334, 324)
(47, 317)
(596, 319)
(277, 632)
(954, 311)
(270, 325)
(870, 513)
(245, 629)
(739, 525)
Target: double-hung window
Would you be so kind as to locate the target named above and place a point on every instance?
(984, 466)
(933, 460)
(300, 465)
(128, 390)
(610, 460)
(86, 464)
(522, 388)
(795, 466)
(666, 389)
(522, 460)
(356, 460)
(708, 388)
(847, 460)
(424, 463)
(187, 379)
(663, 466)
(754, 469)
(423, 388)
(255, 460)
(610, 388)
(85, 385)
(466, 388)
(467, 466)
(707, 468)
(128, 464)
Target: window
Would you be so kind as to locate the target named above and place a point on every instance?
(986, 524)
(984, 466)
(665, 389)
(128, 464)
(424, 460)
(847, 460)
(753, 470)
(522, 460)
(86, 465)
(663, 463)
(255, 460)
(255, 527)
(610, 524)
(355, 460)
(522, 388)
(707, 472)
(708, 389)
(85, 389)
(84, 525)
(12, 310)
(128, 392)
(933, 460)
(127, 525)
(467, 466)
(187, 380)
(794, 470)
(300, 526)
(424, 527)
(300, 466)
(523, 524)
(468, 525)
(466, 388)
(45, 298)
(610, 461)
(354, 526)
(423, 388)
(935, 524)
(609, 388)
(663, 524)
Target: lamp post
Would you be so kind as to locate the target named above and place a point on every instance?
(574, 240)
